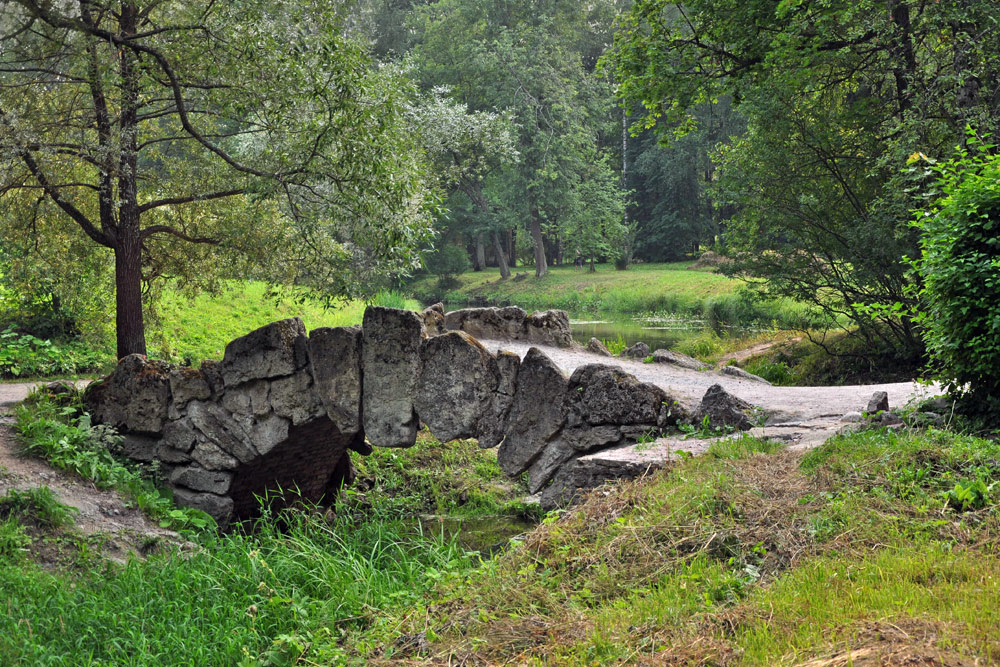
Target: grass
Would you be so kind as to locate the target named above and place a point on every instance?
(191, 330)
(644, 288)
(55, 428)
(751, 555)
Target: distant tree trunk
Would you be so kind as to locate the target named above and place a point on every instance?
(541, 265)
(501, 260)
(559, 251)
(625, 259)
(593, 269)
(480, 261)
(512, 246)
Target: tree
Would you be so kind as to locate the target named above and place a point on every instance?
(155, 125)
(835, 96)
(464, 148)
(536, 60)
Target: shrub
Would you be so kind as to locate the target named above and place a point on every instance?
(960, 267)
(447, 262)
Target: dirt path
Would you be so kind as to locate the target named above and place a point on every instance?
(106, 513)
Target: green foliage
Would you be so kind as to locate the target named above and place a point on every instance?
(776, 372)
(66, 438)
(448, 261)
(615, 345)
(24, 355)
(14, 541)
(38, 506)
(289, 590)
(960, 267)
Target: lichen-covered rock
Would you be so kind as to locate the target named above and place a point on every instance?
(549, 327)
(294, 398)
(211, 457)
(219, 507)
(390, 367)
(188, 384)
(555, 454)
(879, 402)
(335, 360)
(140, 447)
(199, 479)
(506, 323)
(602, 394)
(585, 437)
(269, 431)
(134, 398)
(536, 414)
(680, 360)
(433, 317)
(597, 347)
(736, 371)
(218, 427)
(273, 351)
(578, 476)
(724, 409)
(637, 351)
(493, 425)
(458, 378)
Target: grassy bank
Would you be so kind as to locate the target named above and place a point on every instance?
(643, 289)
(295, 583)
(185, 330)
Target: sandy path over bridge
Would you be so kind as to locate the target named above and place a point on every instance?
(804, 416)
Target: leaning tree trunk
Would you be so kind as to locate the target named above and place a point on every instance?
(501, 259)
(541, 265)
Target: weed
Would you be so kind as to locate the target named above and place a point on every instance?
(14, 541)
(615, 345)
(38, 506)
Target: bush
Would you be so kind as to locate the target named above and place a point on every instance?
(960, 267)
(447, 262)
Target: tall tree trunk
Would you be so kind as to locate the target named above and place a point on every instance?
(130, 330)
(501, 260)
(512, 246)
(541, 265)
(480, 262)
(625, 259)
(129, 327)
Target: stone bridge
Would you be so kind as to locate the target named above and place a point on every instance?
(283, 409)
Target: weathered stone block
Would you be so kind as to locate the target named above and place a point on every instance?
(391, 365)
(294, 398)
(555, 454)
(199, 479)
(493, 425)
(489, 323)
(549, 327)
(603, 394)
(879, 402)
(680, 360)
(219, 507)
(637, 351)
(454, 391)
(140, 447)
(597, 347)
(211, 457)
(134, 398)
(536, 414)
(736, 371)
(219, 427)
(273, 351)
(187, 384)
(269, 431)
(724, 409)
(335, 360)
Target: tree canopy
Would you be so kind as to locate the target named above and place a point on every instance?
(164, 129)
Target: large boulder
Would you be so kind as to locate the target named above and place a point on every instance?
(537, 413)
(601, 394)
(458, 378)
(390, 367)
(274, 350)
(723, 409)
(135, 398)
(489, 323)
(335, 360)
(550, 327)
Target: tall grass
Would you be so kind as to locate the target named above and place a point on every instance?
(243, 599)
